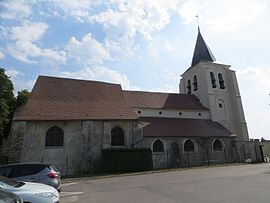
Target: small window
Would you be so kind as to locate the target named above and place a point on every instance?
(189, 146)
(139, 112)
(180, 113)
(195, 83)
(217, 146)
(213, 80)
(221, 81)
(189, 87)
(160, 112)
(54, 137)
(158, 146)
(220, 105)
(117, 137)
(199, 114)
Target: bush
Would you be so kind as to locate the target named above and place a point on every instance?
(126, 160)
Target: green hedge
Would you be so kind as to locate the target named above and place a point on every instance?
(3, 160)
(117, 160)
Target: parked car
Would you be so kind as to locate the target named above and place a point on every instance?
(30, 192)
(7, 197)
(33, 172)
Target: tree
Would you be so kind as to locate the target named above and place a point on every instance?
(22, 98)
(7, 103)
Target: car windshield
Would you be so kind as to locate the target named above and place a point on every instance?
(6, 182)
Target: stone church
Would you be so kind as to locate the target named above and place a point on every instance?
(68, 122)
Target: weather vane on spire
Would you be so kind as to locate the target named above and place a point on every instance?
(197, 17)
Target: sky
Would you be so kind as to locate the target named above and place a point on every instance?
(141, 44)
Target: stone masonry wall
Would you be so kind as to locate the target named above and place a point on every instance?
(83, 143)
(174, 155)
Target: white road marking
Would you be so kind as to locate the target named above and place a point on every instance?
(64, 194)
(67, 184)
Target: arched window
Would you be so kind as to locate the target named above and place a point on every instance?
(195, 83)
(117, 137)
(213, 80)
(217, 146)
(189, 86)
(221, 109)
(189, 146)
(221, 81)
(54, 137)
(158, 146)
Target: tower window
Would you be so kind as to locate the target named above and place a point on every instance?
(195, 83)
(189, 87)
(213, 80)
(220, 105)
(221, 81)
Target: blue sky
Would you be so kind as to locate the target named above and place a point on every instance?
(142, 44)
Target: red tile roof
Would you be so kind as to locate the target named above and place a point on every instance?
(68, 99)
(178, 127)
(156, 100)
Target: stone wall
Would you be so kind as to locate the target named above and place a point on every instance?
(266, 148)
(174, 155)
(248, 151)
(83, 143)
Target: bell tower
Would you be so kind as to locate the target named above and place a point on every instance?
(215, 85)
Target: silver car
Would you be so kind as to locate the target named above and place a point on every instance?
(30, 192)
(7, 197)
(33, 172)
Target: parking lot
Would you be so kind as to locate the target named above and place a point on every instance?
(241, 183)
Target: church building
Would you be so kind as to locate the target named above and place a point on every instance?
(68, 122)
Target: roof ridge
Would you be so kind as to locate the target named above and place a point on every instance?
(144, 91)
(77, 79)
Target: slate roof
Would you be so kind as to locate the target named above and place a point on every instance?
(201, 52)
(156, 100)
(69, 99)
(178, 127)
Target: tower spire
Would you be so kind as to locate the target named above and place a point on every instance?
(201, 52)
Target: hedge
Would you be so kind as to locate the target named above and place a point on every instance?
(118, 160)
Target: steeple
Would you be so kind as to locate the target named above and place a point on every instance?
(201, 51)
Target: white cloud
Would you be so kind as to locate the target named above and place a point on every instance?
(143, 16)
(79, 9)
(88, 51)
(18, 83)
(225, 16)
(103, 74)
(18, 10)
(25, 44)
(255, 87)
(188, 11)
(29, 52)
(12, 73)
(166, 88)
(2, 55)
(123, 20)
(29, 31)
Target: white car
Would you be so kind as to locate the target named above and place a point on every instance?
(30, 192)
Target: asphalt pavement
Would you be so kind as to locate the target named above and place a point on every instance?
(234, 183)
